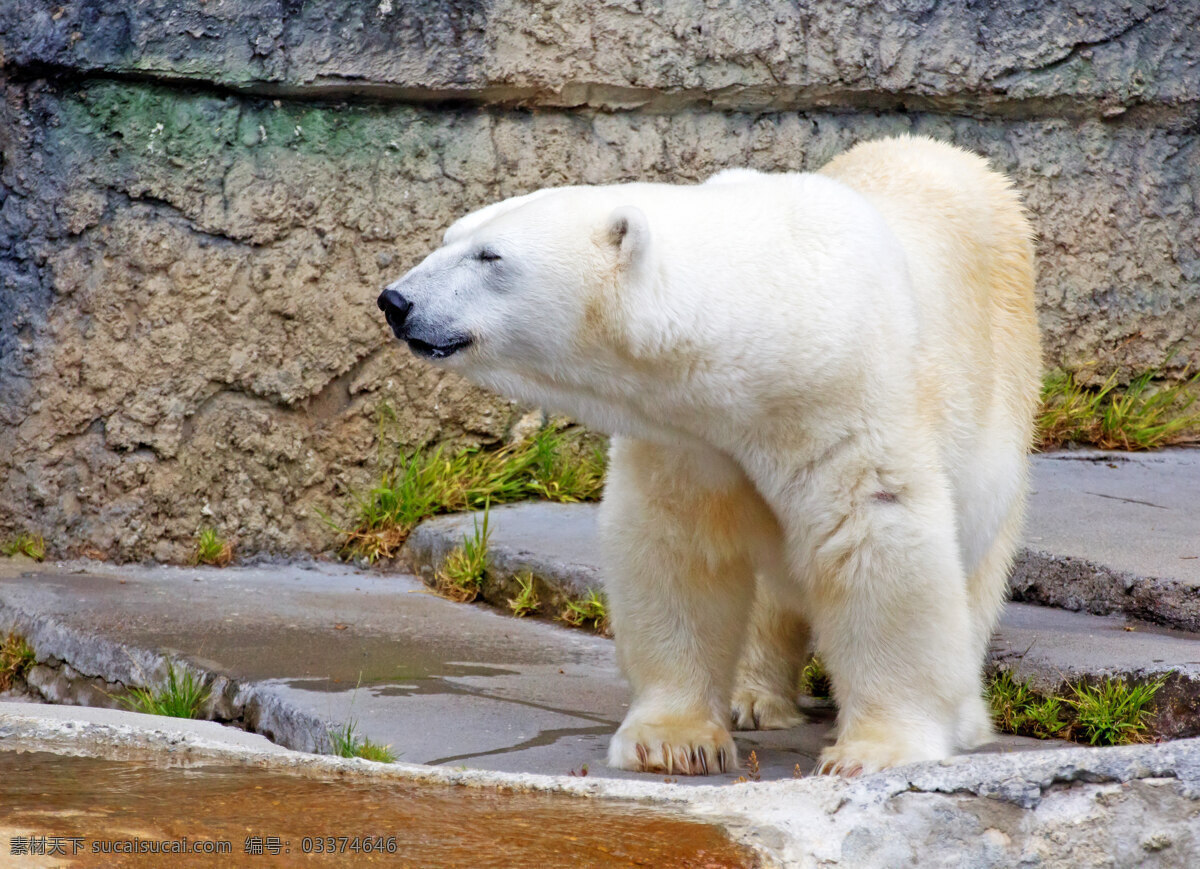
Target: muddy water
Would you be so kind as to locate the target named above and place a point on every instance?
(243, 816)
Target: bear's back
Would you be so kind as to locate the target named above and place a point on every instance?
(969, 248)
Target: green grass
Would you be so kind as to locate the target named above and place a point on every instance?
(526, 602)
(552, 465)
(16, 657)
(212, 549)
(1111, 712)
(1145, 415)
(1017, 708)
(30, 545)
(1114, 713)
(346, 742)
(461, 575)
(182, 696)
(591, 610)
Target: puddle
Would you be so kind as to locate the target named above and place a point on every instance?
(406, 679)
(244, 815)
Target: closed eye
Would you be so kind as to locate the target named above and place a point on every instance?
(486, 255)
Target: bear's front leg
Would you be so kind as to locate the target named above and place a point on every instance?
(679, 526)
(876, 557)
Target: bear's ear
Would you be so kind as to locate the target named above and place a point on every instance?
(628, 232)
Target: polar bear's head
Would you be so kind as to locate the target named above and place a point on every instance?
(526, 287)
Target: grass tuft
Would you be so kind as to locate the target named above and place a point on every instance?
(212, 549)
(589, 610)
(16, 657)
(183, 695)
(526, 602)
(30, 545)
(814, 680)
(346, 742)
(1111, 712)
(1017, 708)
(1114, 713)
(1145, 415)
(461, 576)
(553, 465)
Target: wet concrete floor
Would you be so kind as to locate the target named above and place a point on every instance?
(441, 683)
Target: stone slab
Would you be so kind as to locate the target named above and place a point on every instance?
(209, 733)
(556, 543)
(1133, 512)
(1052, 648)
(1115, 532)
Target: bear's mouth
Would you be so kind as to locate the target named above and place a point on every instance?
(437, 351)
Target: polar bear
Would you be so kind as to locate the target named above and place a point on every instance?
(821, 390)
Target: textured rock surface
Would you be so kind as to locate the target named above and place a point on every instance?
(614, 53)
(192, 234)
(1079, 808)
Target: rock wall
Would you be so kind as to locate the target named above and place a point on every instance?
(199, 202)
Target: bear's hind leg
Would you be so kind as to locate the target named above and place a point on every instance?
(777, 649)
(679, 525)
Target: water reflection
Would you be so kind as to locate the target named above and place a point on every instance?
(93, 812)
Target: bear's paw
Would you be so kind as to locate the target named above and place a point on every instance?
(682, 747)
(854, 757)
(755, 709)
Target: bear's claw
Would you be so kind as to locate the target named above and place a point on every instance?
(693, 761)
(847, 769)
(687, 749)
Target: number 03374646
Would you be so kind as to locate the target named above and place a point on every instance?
(343, 844)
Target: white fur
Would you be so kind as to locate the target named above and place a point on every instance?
(821, 388)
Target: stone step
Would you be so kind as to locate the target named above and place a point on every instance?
(1053, 648)
(1115, 533)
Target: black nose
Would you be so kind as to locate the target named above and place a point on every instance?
(395, 308)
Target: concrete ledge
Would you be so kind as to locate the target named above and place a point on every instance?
(1073, 583)
(1063, 808)
(150, 730)
(1052, 650)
